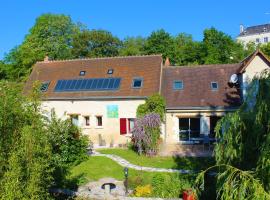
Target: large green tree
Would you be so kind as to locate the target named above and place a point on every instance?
(51, 35)
(220, 48)
(160, 42)
(132, 46)
(187, 51)
(95, 43)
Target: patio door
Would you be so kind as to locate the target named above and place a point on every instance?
(189, 128)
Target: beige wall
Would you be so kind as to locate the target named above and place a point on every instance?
(256, 66)
(110, 131)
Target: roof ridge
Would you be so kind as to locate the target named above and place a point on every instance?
(99, 58)
(199, 66)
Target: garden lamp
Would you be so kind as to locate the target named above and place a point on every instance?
(126, 180)
(126, 172)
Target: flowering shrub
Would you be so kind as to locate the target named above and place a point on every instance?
(143, 191)
(146, 133)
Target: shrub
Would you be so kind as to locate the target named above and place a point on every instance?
(69, 147)
(154, 104)
(143, 191)
(169, 185)
(146, 133)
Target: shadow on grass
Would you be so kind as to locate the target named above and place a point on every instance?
(193, 163)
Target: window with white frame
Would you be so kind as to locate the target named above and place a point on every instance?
(214, 85)
(137, 83)
(178, 85)
(74, 119)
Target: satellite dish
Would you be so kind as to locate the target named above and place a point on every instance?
(234, 78)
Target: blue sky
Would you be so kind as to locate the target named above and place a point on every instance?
(131, 18)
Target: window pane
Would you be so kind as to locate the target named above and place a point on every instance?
(99, 121)
(75, 120)
(137, 83)
(87, 121)
(214, 85)
(178, 85)
(195, 127)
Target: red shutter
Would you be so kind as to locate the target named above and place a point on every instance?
(123, 126)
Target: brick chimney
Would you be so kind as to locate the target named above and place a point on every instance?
(46, 59)
(167, 62)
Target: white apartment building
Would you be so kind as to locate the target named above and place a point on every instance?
(259, 34)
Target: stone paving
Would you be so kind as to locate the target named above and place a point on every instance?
(94, 191)
(125, 163)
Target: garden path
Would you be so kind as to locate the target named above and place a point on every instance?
(125, 163)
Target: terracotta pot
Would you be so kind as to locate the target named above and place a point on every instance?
(188, 195)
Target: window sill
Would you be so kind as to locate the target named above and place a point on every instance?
(86, 127)
(99, 127)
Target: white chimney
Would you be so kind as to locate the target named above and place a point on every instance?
(241, 28)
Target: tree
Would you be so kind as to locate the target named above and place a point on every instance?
(243, 153)
(51, 35)
(34, 152)
(132, 46)
(95, 43)
(187, 51)
(160, 42)
(266, 49)
(221, 48)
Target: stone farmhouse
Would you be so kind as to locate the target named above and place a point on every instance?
(101, 95)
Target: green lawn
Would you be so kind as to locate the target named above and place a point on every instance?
(190, 163)
(95, 168)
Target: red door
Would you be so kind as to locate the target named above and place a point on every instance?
(123, 126)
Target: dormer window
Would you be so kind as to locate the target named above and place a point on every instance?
(82, 73)
(178, 85)
(110, 71)
(44, 86)
(214, 85)
(137, 82)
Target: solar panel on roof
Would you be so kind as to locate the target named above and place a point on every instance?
(95, 84)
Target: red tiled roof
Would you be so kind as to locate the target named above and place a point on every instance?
(197, 90)
(147, 67)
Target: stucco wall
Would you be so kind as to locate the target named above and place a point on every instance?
(252, 38)
(110, 131)
(256, 66)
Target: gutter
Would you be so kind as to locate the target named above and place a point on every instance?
(201, 108)
(95, 98)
